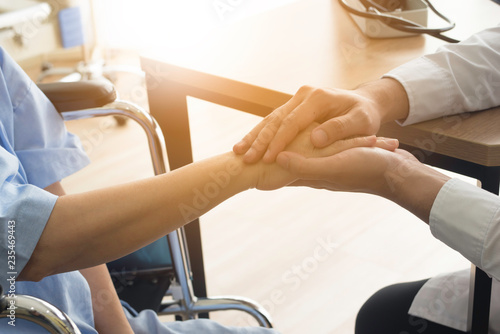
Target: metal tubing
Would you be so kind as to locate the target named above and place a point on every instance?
(221, 303)
(188, 306)
(38, 312)
(130, 110)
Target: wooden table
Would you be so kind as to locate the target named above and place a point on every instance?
(255, 65)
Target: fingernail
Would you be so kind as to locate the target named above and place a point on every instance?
(319, 137)
(391, 141)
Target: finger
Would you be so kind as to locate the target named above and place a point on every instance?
(244, 144)
(346, 144)
(335, 129)
(317, 184)
(306, 168)
(297, 120)
(389, 144)
(261, 137)
(264, 136)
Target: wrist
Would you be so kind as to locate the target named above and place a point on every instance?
(413, 185)
(247, 175)
(389, 97)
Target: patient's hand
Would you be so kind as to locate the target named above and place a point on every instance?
(272, 176)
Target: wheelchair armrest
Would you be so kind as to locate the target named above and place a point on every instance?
(78, 95)
(37, 311)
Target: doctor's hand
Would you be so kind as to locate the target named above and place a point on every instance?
(273, 176)
(396, 175)
(343, 114)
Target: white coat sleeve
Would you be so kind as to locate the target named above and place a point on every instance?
(457, 78)
(467, 218)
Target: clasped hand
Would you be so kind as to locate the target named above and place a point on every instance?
(346, 164)
(325, 139)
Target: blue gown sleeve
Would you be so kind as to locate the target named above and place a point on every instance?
(36, 151)
(47, 151)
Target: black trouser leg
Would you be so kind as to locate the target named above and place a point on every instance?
(386, 312)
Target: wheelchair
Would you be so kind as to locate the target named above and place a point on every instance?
(157, 276)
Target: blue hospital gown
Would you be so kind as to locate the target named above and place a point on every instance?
(36, 151)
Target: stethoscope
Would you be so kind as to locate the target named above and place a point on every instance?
(376, 11)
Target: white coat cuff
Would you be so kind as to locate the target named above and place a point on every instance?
(461, 217)
(428, 88)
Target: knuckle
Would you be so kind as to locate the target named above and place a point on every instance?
(291, 126)
(266, 134)
(258, 144)
(318, 92)
(363, 113)
(279, 112)
(272, 117)
(275, 117)
(365, 116)
(289, 121)
(305, 89)
(249, 137)
(312, 92)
